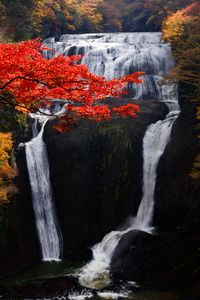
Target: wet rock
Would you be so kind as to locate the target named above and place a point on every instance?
(128, 256)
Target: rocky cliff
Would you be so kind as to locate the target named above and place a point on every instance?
(171, 256)
(96, 172)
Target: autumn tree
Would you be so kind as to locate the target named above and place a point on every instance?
(52, 18)
(87, 17)
(144, 15)
(7, 188)
(181, 29)
(111, 12)
(29, 81)
(18, 21)
(4, 24)
(29, 19)
(158, 10)
(5, 147)
(6, 171)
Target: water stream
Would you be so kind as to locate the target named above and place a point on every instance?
(113, 55)
(49, 234)
(155, 141)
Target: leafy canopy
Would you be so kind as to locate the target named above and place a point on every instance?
(29, 81)
(7, 173)
(181, 29)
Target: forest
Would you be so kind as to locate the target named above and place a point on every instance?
(28, 19)
(96, 150)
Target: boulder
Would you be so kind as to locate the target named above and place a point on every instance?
(128, 258)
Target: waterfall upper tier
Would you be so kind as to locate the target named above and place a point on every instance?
(113, 55)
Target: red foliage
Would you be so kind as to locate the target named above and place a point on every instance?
(65, 124)
(33, 80)
(97, 112)
(126, 110)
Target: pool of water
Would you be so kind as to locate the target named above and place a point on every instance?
(58, 281)
(42, 270)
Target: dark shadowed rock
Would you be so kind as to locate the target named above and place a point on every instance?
(96, 173)
(167, 261)
(172, 260)
(174, 193)
(128, 242)
(128, 255)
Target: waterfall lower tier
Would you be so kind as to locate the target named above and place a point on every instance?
(96, 273)
(38, 168)
(155, 140)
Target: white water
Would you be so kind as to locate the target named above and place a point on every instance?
(96, 274)
(56, 108)
(155, 141)
(113, 55)
(38, 168)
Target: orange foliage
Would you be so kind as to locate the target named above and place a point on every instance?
(7, 173)
(174, 25)
(5, 147)
(65, 14)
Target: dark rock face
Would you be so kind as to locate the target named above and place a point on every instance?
(173, 259)
(22, 246)
(174, 192)
(167, 261)
(23, 220)
(96, 173)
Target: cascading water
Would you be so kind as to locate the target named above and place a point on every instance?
(155, 140)
(112, 56)
(38, 168)
(96, 273)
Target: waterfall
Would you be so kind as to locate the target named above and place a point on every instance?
(113, 55)
(96, 274)
(155, 140)
(38, 168)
